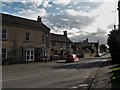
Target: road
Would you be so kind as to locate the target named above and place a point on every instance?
(52, 74)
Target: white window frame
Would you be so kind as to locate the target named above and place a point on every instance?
(4, 53)
(27, 36)
(44, 53)
(4, 34)
(30, 54)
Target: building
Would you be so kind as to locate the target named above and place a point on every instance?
(85, 48)
(60, 45)
(24, 40)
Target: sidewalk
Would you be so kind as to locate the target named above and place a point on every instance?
(103, 77)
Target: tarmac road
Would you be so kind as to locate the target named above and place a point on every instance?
(53, 74)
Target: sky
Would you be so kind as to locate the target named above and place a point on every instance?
(92, 19)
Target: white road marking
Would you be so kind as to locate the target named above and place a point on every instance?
(73, 87)
(96, 60)
(21, 77)
(70, 63)
(59, 70)
(30, 76)
(83, 85)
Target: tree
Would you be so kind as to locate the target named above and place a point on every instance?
(114, 45)
(103, 48)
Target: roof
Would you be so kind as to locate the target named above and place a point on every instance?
(60, 38)
(23, 21)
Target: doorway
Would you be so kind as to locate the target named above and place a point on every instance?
(29, 54)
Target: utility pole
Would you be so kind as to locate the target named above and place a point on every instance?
(118, 14)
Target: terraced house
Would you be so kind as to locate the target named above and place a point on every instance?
(24, 40)
(60, 45)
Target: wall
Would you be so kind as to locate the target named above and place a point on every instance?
(15, 42)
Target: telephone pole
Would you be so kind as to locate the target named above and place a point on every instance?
(118, 14)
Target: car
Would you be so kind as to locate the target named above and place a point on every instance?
(72, 58)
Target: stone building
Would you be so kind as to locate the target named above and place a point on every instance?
(23, 39)
(60, 45)
(86, 48)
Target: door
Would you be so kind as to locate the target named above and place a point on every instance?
(29, 55)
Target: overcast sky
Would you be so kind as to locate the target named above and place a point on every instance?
(82, 19)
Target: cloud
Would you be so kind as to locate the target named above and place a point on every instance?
(102, 0)
(99, 32)
(100, 26)
(3, 5)
(46, 4)
(72, 12)
(71, 18)
(42, 12)
(65, 21)
(65, 2)
(81, 19)
(79, 13)
(32, 14)
(102, 39)
(105, 17)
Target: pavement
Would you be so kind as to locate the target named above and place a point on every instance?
(103, 76)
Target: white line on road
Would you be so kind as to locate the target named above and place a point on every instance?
(96, 60)
(83, 85)
(70, 63)
(73, 87)
(59, 70)
(21, 77)
(30, 76)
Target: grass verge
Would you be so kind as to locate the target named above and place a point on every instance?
(116, 76)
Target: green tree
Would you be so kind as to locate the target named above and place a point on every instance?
(114, 45)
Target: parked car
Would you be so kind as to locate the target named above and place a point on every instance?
(72, 58)
(80, 55)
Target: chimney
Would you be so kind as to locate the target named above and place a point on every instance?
(39, 19)
(86, 39)
(65, 33)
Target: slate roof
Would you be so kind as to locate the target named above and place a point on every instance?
(60, 38)
(23, 21)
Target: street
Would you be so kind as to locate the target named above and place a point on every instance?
(57, 74)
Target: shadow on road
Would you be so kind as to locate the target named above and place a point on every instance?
(86, 65)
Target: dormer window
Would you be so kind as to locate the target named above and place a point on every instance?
(4, 34)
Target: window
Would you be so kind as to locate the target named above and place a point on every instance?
(44, 53)
(69, 46)
(55, 53)
(61, 44)
(4, 34)
(43, 38)
(27, 36)
(4, 53)
(53, 43)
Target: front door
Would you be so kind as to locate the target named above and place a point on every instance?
(29, 55)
